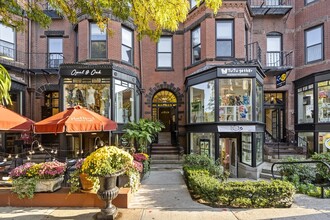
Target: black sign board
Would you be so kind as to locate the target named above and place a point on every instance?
(281, 80)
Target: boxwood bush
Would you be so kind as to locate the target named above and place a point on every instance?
(215, 169)
(246, 194)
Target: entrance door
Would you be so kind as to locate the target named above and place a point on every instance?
(275, 115)
(165, 118)
(228, 152)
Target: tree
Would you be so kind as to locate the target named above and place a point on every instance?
(151, 17)
(5, 84)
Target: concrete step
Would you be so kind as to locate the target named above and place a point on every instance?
(174, 152)
(153, 162)
(268, 176)
(159, 167)
(164, 157)
(268, 171)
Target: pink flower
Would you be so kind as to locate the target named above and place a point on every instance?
(139, 157)
(138, 166)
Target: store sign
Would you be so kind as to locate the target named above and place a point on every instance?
(85, 72)
(281, 80)
(326, 141)
(237, 128)
(237, 71)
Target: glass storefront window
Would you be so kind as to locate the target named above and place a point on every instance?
(324, 101)
(124, 102)
(259, 103)
(259, 148)
(202, 143)
(202, 102)
(305, 104)
(324, 142)
(306, 142)
(92, 93)
(235, 99)
(247, 148)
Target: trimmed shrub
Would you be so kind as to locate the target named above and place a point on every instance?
(214, 168)
(261, 194)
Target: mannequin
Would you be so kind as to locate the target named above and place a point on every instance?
(90, 98)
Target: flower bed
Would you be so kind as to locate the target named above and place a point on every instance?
(26, 177)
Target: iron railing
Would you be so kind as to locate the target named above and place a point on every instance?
(278, 58)
(253, 53)
(16, 58)
(322, 185)
(270, 3)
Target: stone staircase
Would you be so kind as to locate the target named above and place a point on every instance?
(164, 155)
(281, 150)
(267, 174)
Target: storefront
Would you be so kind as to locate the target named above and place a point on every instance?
(108, 90)
(12, 142)
(313, 113)
(225, 117)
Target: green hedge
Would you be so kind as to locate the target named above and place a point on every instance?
(246, 194)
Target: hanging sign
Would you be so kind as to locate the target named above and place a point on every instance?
(281, 80)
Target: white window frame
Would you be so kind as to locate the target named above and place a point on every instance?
(309, 46)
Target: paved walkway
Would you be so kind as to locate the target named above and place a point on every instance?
(164, 196)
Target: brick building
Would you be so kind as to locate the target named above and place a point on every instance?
(226, 85)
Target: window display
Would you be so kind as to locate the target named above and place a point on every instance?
(259, 148)
(306, 142)
(203, 144)
(124, 101)
(246, 149)
(235, 100)
(202, 102)
(324, 101)
(92, 93)
(324, 142)
(306, 104)
(259, 103)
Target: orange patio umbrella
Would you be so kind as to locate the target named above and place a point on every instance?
(75, 120)
(11, 121)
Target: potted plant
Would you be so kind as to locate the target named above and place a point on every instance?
(107, 163)
(144, 132)
(80, 181)
(144, 159)
(41, 177)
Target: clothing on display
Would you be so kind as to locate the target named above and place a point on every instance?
(90, 99)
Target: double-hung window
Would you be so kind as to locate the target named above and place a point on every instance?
(309, 1)
(225, 38)
(55, 52)
(127, 45)
(192, 3)
(314, 44)
(98, 42)
(7, 42)
(274, 48)
(196, 44)
(164, 52)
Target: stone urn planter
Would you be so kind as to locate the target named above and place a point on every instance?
(49, 185)
(107, 192)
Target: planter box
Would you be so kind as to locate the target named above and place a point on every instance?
(49, 185)
(62, 198)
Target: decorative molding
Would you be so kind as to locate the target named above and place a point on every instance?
(164, 86)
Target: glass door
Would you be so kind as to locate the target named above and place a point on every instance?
(228, 152)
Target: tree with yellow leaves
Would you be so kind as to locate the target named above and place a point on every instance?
(149, 16)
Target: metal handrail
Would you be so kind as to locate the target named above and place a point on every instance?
(298, 162)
